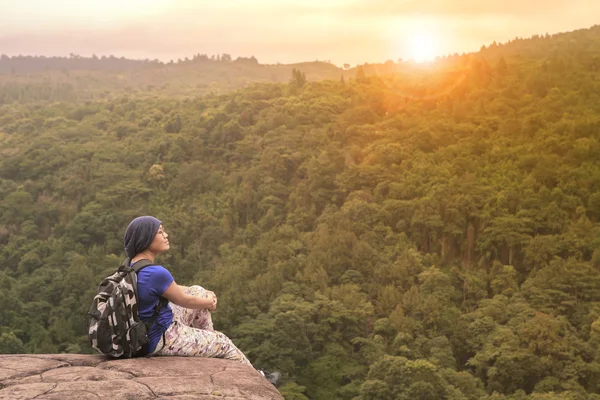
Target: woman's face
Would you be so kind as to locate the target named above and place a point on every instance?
(160, 243)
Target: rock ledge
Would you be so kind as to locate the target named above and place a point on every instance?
(76, 376)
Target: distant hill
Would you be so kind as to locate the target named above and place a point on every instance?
(76, 78)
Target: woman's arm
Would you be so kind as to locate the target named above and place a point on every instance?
(176, 295)
(207, 291)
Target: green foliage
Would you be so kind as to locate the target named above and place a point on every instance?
(10, 344)
(293, 391)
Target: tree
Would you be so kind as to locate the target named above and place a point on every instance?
(360, 75)
(10, 344)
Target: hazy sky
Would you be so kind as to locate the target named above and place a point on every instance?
(343, 31)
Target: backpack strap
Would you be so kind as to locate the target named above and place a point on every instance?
(136, 267)
(141, 264)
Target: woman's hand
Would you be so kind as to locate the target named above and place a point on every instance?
(213, 297)
(213, 301)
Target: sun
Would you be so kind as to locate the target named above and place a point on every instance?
(422, 47)
(418, 38)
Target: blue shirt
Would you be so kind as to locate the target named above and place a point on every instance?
(152, 283)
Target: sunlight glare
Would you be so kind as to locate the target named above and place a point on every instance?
(422, 47)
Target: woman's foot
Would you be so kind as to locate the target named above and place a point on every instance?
(272, 377)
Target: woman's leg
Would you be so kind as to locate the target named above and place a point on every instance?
(193, 342)
(192, 334)
(199, 318)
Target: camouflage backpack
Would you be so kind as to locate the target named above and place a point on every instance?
(115, 328)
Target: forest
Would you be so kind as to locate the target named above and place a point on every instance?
(391, 231)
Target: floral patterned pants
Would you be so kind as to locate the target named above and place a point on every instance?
(192, 334)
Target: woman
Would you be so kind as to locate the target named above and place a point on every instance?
(184, 327)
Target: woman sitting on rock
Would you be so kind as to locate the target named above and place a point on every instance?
(183, 327)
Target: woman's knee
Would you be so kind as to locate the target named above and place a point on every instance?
(196, 290)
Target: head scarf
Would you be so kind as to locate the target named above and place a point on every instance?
(139, 234)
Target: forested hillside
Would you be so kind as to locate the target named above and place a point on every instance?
(78, 79)
(428, 233)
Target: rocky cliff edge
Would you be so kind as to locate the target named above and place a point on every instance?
(75, 376)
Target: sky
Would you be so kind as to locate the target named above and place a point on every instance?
(286, 31)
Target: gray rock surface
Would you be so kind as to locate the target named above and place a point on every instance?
(75, 376)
